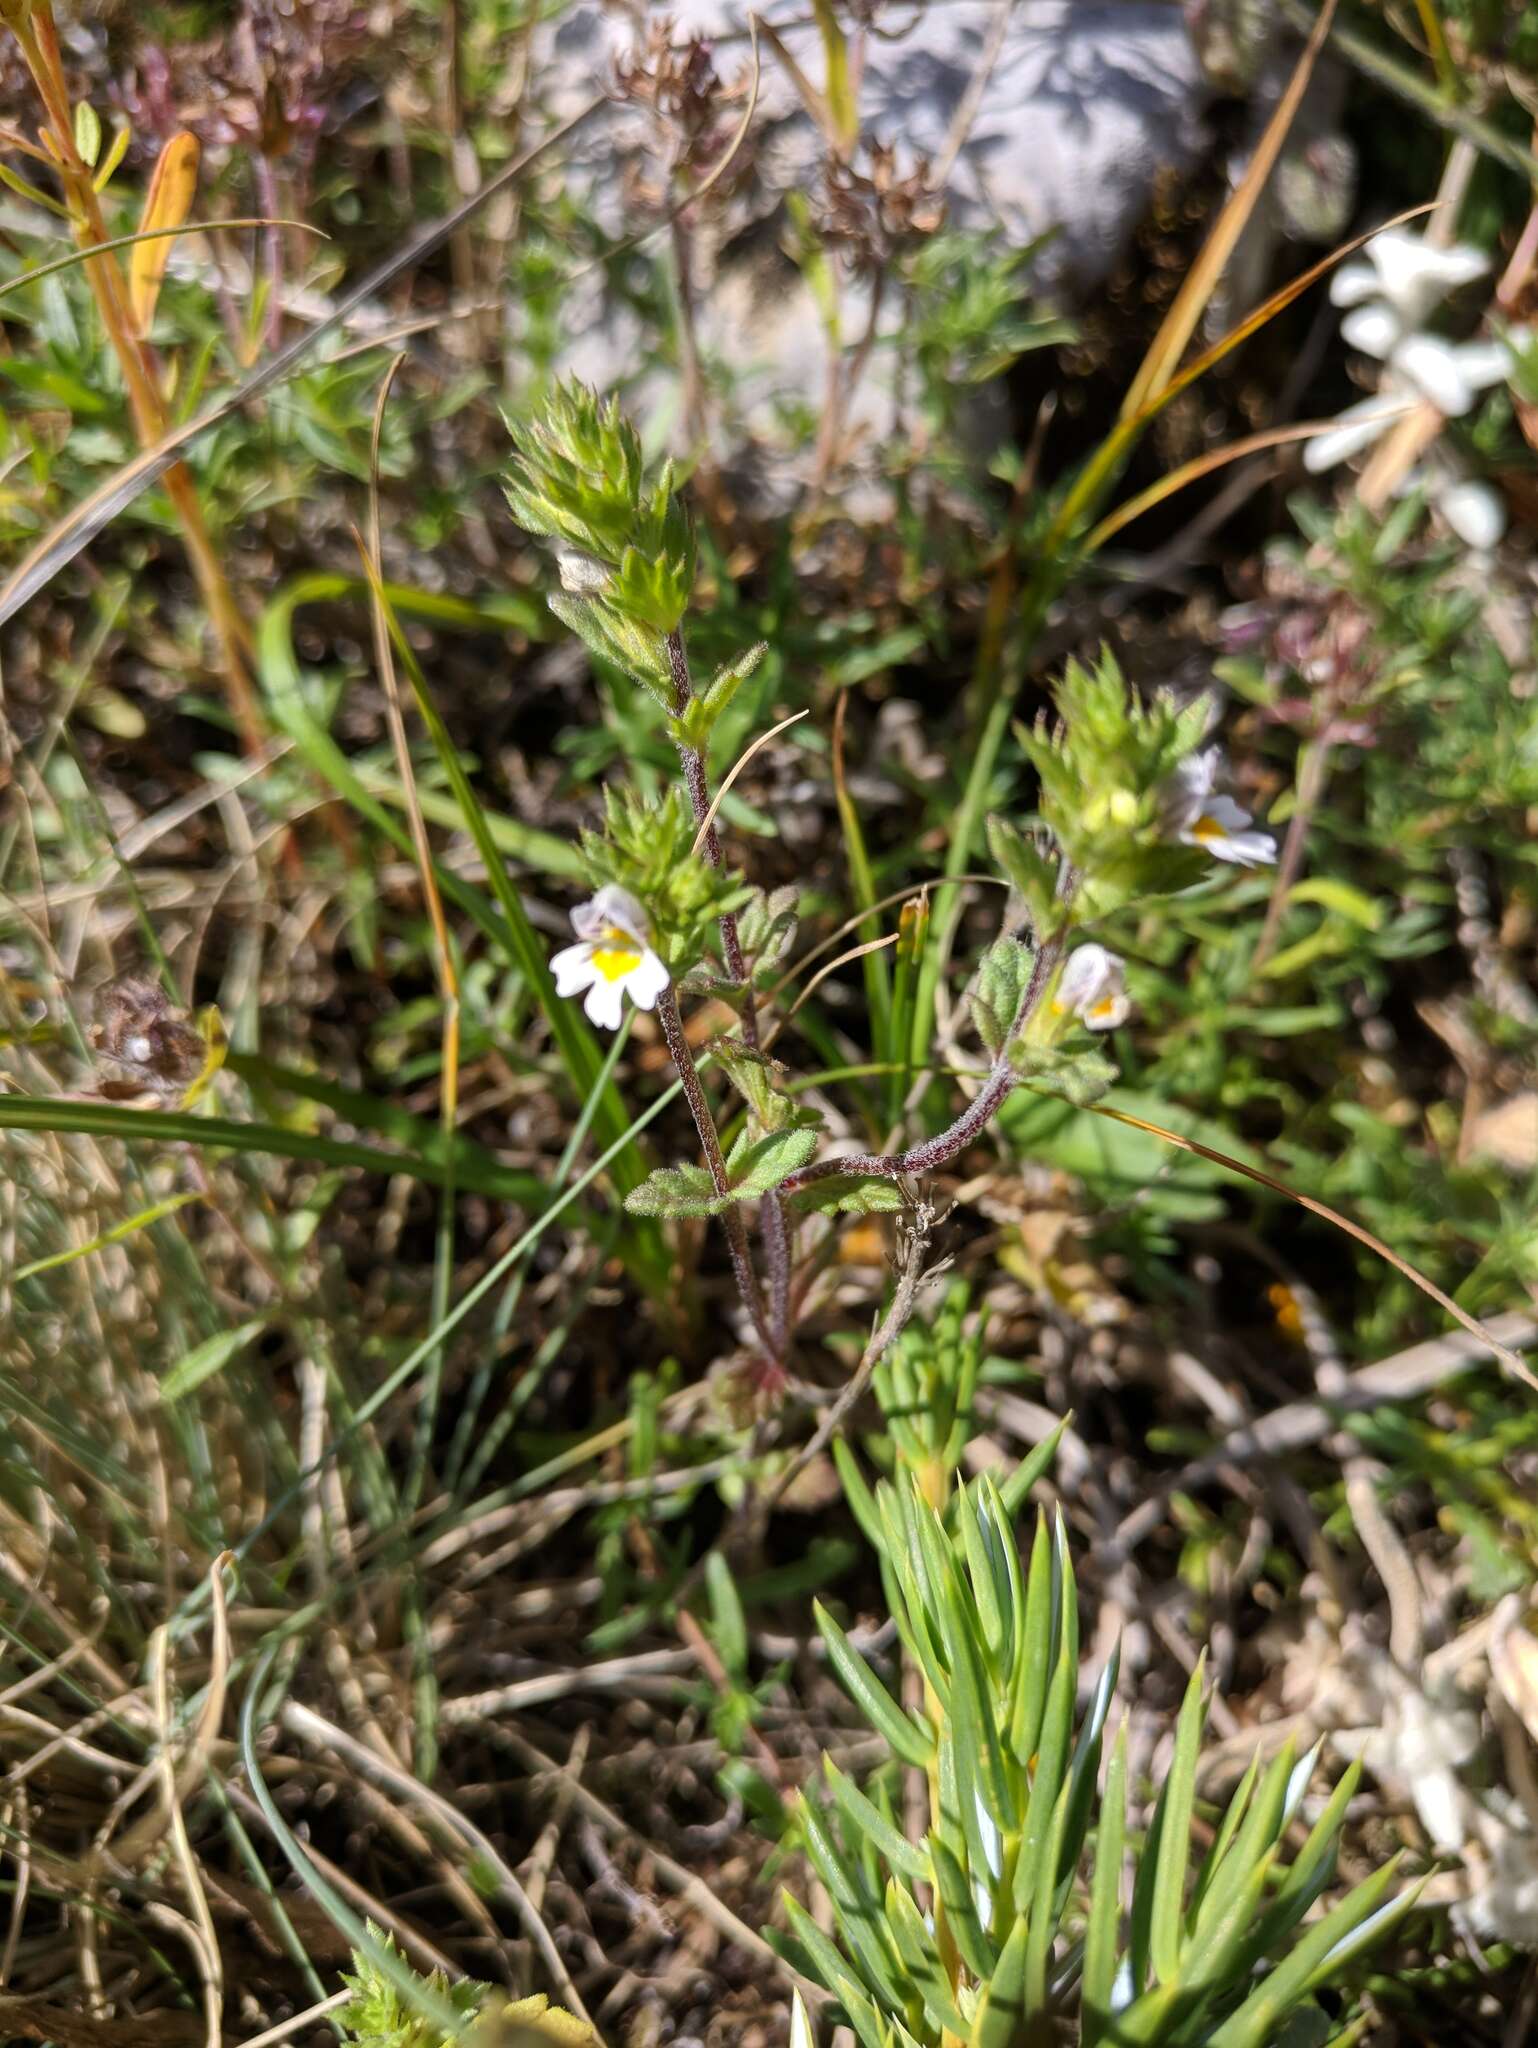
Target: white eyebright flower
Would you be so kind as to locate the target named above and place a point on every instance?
(1390, 295)
(611, 959)
(1409, 274)
(1093, 989)
(1199, 817)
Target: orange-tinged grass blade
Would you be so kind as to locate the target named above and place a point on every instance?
(1107, 457)
(1191, 472)
(1472, 1324)
(167, 204)
(1267, 310)
(1180, 322)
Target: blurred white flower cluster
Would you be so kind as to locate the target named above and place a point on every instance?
(1390, 295)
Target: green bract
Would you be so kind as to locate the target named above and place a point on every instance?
(755, 1167)
(647, 847)
(1105, 769)
(383, 2012)
(580, 480)
(987, 1930)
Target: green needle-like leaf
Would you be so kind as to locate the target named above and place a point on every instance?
(1175, 1803)
(867, 1819)
(1102, 1933)
(915, 1745)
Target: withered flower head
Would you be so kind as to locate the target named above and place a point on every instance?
(879, 216)
(143, 1045)
(697, 112)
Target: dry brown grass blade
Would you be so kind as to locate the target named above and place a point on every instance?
(60, 545)
(931, 886)
(1509, 1358)
(736, 769)
(1180, 323)
(1191, 472)
(1268, 310)
(843, 960)
(198, 1932)
(384, 655)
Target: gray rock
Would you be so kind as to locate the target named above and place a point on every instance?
(1084, 106)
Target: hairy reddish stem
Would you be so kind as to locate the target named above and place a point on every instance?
(710, 1144)
(978, 1114)
(774, 1228)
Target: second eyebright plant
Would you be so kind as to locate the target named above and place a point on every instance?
(1130, 809)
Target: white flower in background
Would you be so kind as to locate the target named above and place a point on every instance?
(611, 959)
(1421, 369)
(1093, 989)
(1473, 510)
(1405, 277)
(1389, 295)
(1199, 817)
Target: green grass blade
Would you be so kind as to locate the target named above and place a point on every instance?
(1254, 2024)
(103, 1238)
(175, 1127)
(1176, 1800)
(867, 1819)
(578, 1049)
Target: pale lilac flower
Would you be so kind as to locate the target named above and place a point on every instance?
(1198, 816)
(1093, 989)
(612, 958)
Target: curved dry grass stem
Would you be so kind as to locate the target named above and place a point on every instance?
(843, 960)
(285, 2029)
(313, 1729)
(736, 769)
(1517, 1366)
(199, 1932)
(187, 227)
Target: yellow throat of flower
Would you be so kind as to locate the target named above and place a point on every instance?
(616, 954)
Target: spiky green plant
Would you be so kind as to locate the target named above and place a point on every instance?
(986, 1930)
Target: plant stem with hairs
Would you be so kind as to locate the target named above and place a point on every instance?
(35, 31)
(773, 1226)
(1313, 770)
(710, 1144)
(974, 1119)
